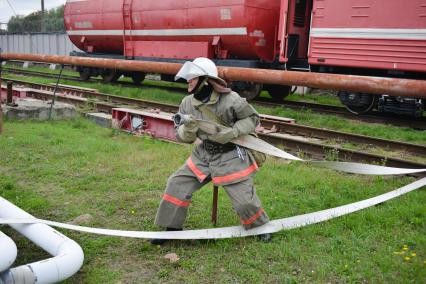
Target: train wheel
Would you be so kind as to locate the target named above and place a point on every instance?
(358, 103)
(85, 74)
(137, 77)
(110, 76)
(247, 90)
(278, 92)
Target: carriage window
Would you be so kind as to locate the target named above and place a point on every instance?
(300, 13)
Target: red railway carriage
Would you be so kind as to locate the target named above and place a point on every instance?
(364, 37)
(175, 29)
(388, 35)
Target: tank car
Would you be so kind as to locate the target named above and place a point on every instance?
(362, 37)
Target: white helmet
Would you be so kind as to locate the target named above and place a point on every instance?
(201, 66)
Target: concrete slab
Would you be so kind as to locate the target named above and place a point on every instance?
(100, 118)
(32, 109)
(301, 90)
(27, 64)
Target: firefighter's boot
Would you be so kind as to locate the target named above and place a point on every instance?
(266, 238)
(163, 241)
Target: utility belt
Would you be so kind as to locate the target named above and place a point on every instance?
(214, 148)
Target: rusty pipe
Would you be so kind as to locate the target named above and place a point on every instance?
(354, 83)
(125, 65)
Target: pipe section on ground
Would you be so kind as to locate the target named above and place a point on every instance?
(370, 85)
(68, 255)
(8, 252)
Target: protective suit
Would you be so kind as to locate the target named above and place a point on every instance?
(215, 159)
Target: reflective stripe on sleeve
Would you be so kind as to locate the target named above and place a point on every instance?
(176, 201)
(237, 175)
(195, 170)
(253, 218)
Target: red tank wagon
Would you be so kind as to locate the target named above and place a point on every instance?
(364, 37)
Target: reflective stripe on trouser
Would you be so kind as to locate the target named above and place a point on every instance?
(225, 168)
(246, 203)
(182, 184)
(177, 198)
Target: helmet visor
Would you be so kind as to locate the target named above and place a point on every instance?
(190, 71)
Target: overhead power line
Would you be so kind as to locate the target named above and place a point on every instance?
(11, 7)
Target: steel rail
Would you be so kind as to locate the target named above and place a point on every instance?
(107, 102)
(307, 131)
(375, 117)
(371, 85)
(321, 151)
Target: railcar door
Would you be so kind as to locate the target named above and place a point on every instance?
(294, 32)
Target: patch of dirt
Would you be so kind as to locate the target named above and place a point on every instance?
(82, 219)
(136, 270)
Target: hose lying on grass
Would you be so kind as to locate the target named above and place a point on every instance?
(236, 231)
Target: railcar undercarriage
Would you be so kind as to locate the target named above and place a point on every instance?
(361, 103)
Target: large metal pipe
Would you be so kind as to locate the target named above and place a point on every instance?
(68, 255)
(8, 252)
(371, 85)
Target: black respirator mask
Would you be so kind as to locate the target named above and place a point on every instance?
(202, 90)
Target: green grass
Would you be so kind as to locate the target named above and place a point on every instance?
(325, 98)
(316, 96)
(62, 170)
(42, 69)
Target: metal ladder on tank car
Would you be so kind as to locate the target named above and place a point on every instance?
(127, 26)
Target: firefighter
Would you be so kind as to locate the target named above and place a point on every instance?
(215, 158)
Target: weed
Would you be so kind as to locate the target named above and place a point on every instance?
(332, 155)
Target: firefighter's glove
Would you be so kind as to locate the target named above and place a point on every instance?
(225, 135)
(188, 132)
(191, 123)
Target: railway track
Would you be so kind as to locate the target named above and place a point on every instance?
(374, 117)
(92, 80)
(279, 131)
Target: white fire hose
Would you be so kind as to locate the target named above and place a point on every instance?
(257, 144)
(236, 231)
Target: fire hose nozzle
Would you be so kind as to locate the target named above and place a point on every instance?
(180, 119)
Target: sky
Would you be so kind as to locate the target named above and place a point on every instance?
(24, 7)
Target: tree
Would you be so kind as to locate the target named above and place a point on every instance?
(53, 22)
